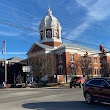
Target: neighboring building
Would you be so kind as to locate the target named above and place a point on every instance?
(66, 54)
(14, 71)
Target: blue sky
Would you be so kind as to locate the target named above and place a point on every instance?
(86, 21)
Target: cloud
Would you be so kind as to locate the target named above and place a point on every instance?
(78, 30)
(97, 10)
(64, 33)
(10, 34)
(34, 34)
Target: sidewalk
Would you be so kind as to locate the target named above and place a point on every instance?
(50, 85)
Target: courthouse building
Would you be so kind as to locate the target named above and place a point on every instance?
(66, 54)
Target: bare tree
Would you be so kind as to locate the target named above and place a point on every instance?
(106, 68)
(73, 68)
(82, 65)
(86, 66)
(43, 65)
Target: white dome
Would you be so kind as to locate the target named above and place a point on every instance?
(49, 21)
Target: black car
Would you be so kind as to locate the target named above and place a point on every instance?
(97, 89)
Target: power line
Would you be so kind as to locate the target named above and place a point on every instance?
(98, 35)
(31, 15)
(83, 43)
(20, 53)
(23, 24)
(14, 25)
(18, 10)
(16, 15)
(34, 16)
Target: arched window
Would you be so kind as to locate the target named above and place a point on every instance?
(48, 33)
(41, 35)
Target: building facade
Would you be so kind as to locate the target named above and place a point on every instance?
(68, 56)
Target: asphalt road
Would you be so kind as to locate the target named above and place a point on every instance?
(46, 99)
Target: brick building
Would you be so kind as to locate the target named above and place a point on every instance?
(66, 54)
(14, 69)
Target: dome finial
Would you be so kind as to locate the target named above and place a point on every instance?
(49, 11)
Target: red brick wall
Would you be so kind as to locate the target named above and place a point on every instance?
(52, 43)
(68, 63)
(95, 65)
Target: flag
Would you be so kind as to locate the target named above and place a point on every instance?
(3, 47)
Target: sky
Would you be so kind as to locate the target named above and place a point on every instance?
(84, 21)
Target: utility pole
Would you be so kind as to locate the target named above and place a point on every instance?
(5, 64)
(4, 52)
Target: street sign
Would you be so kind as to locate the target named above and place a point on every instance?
(26, 68)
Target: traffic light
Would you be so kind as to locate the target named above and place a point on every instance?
(104, 52)
(3, 62)
(86, 55)
(101, 48)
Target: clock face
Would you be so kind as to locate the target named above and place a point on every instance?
(49, 33)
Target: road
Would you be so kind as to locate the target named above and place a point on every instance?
(46, 99)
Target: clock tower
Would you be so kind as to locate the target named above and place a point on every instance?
(50, 30)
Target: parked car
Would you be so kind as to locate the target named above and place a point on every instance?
(97, 89)
(77, 81)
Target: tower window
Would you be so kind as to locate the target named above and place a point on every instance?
(41, 35)
(56, 33)
(48, 33)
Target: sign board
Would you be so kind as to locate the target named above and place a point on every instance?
(26, 68)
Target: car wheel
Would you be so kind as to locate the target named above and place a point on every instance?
(70, 85)
(88, 98)
(74, 86)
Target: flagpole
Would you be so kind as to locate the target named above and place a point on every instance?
(5, 64)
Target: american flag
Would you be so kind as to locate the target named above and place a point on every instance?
(3, 47)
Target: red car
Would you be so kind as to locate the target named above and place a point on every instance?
(77, 81)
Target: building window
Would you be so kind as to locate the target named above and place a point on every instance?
(90, 71)
(96, 71)
(73, 72)
(71, 57)
(60, 69)
(95, 59)
(60, 58)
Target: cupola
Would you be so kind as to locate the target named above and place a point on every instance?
(50, 30)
